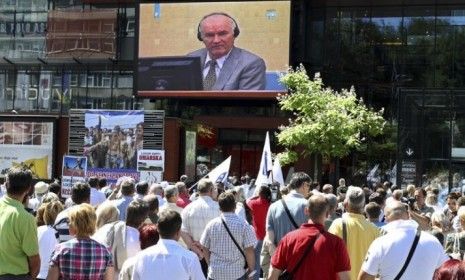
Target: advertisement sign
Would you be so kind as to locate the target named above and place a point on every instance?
(151, 176)
(151, 160)
(28, 145)
(74, 170)
(151, 164)
(408, 172)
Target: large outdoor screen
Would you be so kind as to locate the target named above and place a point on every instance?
(27, 144)
(168, 30)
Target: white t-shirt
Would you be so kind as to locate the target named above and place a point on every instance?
(240, 211)
(161, 201)
(388, 253)
(132, 241)
(47, 243)
(96, 197)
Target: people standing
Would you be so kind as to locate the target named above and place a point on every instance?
(46, 236)
(285, 215)
(259, 208)
(229, 243)
(183, 199)
(359, 233)
(81, 257)
(311, 251)
(80, 193)
(167, 260)
(19, 253)
(171, 196)
(197, 215)
(388, 254)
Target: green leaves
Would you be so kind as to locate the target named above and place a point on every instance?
(324, 121)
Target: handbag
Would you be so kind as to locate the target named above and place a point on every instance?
(235, 242)
(289, 274)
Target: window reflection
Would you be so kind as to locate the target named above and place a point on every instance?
(415, 46)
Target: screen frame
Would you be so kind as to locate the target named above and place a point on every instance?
(186, 94)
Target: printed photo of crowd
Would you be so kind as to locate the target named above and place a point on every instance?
(113, 138)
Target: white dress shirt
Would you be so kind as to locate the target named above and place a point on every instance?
(197, 214)
(167, 260)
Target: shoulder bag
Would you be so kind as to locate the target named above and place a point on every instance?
(235, 242)
(456, 253)
(410, 254)
(289, 214)
(288, 275)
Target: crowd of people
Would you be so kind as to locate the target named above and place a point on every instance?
(113, 148)
(228, 231)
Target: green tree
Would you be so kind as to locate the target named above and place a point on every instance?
(324, 121)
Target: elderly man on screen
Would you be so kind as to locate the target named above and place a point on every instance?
(226, 67)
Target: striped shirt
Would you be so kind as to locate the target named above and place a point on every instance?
(226, 261)
(62, 225)
(198, 214)
(81, 259)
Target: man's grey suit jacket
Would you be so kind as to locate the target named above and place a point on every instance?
(242, 70)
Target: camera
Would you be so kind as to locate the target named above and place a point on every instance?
(408, 200)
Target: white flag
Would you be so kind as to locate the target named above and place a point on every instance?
(266, 164)
(277, 173)
(371, 175)
(393, 174)
(220, 173)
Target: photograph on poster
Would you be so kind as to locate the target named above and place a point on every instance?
(113, 138)
(74, 166)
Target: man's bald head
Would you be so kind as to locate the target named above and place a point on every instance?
(396, 211)
(318, 207)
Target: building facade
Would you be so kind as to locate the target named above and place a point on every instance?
(403, 55)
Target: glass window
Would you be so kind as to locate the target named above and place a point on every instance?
(124, 81)
(419, 22)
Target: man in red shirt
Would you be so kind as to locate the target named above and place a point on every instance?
(259, 207)
(327, 260)
(183, 197)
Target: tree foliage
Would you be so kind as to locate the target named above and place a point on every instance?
(324, 121)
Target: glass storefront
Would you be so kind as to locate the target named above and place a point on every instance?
(406, 57)
(54, 56)
(384, 45)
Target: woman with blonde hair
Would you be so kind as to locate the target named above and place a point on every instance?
(106, 213)
(122, 237)
(81, 257)
(46, 234)
(440, 226)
